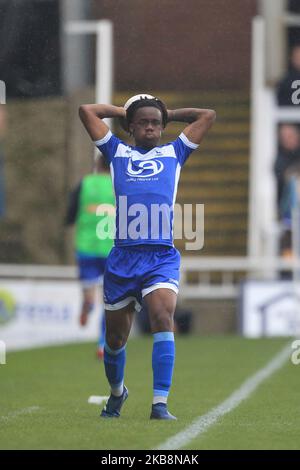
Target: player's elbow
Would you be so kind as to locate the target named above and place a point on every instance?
(83, 111)
(210, 116)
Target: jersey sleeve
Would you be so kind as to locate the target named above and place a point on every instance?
(108, 145)
(183, 148)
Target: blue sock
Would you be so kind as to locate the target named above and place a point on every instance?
(101, 341)
(114, 362)
(163, 357)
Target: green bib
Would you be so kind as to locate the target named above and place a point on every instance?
(91, 229)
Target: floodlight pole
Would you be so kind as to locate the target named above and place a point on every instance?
(104, 55)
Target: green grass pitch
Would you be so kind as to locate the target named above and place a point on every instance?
(59, 380)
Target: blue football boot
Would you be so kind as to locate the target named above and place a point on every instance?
(114, 404)
(160, 411)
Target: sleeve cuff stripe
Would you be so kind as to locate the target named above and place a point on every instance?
(187, 142)
(104, 140)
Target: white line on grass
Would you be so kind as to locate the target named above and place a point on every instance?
(97, 400)
(204, 422)
(16, 414)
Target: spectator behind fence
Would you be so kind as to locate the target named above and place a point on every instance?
(2, 133)
(289, 201)
(288, 155)
(285, 89)
(291, 194)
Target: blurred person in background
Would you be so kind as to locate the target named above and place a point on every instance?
(93, 191)
(289, 202)
(293, 36)
(2, 133)
(286, 172)
(284, 88)
(288, 155)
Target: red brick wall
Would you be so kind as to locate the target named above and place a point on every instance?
(180, 44)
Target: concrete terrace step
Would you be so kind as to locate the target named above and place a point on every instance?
(220, 128)
(215, 245)
(211, 160)
(192, 98)
(206, 192)
(211, 175)
(221, 207)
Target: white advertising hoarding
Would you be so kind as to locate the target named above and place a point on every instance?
(40, 313)
(270, 308)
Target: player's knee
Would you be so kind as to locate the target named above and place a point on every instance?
(116, 340)
(163, 320)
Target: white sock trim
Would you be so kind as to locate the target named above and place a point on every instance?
(118, 390)
(158, 399)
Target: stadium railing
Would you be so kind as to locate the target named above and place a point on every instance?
(231, 272)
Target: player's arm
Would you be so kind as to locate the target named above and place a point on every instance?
(92, 116)
(200, 121)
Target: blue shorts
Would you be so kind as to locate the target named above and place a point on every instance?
(133, 272)
(91, 269)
